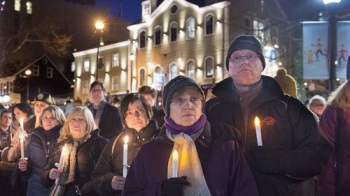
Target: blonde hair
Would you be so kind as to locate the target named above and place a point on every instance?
(90, 123)
(340, 97)
(56, 112)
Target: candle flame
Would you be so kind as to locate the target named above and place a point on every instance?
(175, 154)
(126, 139)
(257, 121)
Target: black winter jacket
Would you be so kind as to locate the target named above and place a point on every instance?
(110, 164)
(289, 131)
(88, 154)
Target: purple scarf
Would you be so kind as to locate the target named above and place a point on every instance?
(190, 130)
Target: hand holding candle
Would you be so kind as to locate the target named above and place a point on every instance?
(258, 131)
(21, 140)
(125, 156)
(175, 163)
(61, 161)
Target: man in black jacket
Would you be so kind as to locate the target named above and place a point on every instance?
(106, 116)
(292, 149)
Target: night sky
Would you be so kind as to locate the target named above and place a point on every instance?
(296, 10)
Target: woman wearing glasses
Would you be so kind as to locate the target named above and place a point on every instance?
(39, 148)
(76, 153)
(187, 157)
(139, 129)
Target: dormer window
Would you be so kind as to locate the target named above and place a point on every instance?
(146, 10)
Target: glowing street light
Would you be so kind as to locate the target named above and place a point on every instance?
(28, 73)
(99, 25)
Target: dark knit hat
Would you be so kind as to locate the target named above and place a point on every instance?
(44, 97)
(246, 42)
(287, 82)
(173, 86)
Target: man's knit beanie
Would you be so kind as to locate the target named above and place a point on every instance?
(287, 82)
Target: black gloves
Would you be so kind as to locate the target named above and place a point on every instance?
(265, 159)
(174, 186)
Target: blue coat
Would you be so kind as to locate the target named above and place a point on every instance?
(38, 150)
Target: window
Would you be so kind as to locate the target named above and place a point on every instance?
(191, 28)
(157, 36)
(18, 5)
(146, 9)
(142, 78)
(191, 70)
(49, 72)
(115, 83)
(36, 69)
(29, 7)
(209, 25)
(100, 62)
(85, 87)
(173, 32)
(86, 65)
(172, 71)
(258, 30)
(209, 67)
(72, 67)
(158, 77)
(142, 39)
(116, 60)
(44, 61)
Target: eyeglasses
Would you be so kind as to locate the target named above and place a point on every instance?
(96, 90)
(238, 59)
(77, 120)
(181, 101)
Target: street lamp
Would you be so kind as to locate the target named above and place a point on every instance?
(28, 73)
(332, 41)
(99, 25)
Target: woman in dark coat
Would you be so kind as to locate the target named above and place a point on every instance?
(40, 147)
(136, 114)
(205, 165)
(75, 156)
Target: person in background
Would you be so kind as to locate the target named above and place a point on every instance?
(116, 101)
(290, 152)
(286, 82)
(335, 123)
(207, 165)
(317, 104)
(82, 145)
(139, 128)
(5, 132)
(208, 93)
(41, 101)
(40, 147)
(151, 95)
(106, 116)
(25, 112)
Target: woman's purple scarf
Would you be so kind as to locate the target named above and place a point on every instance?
(189, 130)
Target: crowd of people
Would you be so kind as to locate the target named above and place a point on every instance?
(247, 135)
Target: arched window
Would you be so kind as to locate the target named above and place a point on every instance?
(172, 71)
(173, 32)
(142, 39)
(191, 28)
(209, 67)
(157, 36)
(191, 70)
(209, 24)
(142, 78)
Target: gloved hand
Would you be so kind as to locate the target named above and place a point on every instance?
(174, 186)
(265, 159)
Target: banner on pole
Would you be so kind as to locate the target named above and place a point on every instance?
(343, 47)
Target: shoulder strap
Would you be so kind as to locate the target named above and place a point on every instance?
(114, 143)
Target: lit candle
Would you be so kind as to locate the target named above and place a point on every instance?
(258, 131)
(125, 156)
(21, 121)
(175, 163)
(61, 162)
(21, 140)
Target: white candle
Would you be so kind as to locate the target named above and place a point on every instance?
(61, 162)
(21, 121)
(125, 156)
(258, 131)
(21, 140)
(175, 163)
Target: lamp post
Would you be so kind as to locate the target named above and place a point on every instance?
(99, 25)
(332, 41)
(27, 73)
